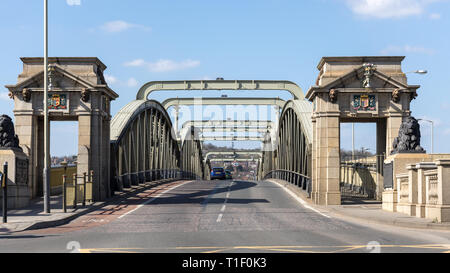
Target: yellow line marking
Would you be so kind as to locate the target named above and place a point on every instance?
(118, 250)
(298, 249)
(291, 250)
(217, 250)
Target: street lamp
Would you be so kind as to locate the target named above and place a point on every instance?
(418, 72)
(432, 125)
(46, 172)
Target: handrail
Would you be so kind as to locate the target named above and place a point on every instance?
(300, 180)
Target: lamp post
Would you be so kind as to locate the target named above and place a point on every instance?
(432, 125)
(418, 72)
(46, 176)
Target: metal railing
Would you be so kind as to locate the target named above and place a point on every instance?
(74, 192)
(359, 176)
(294, 178)
(128, 179)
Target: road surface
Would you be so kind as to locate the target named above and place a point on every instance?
(220, 216)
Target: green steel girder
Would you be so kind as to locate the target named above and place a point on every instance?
(152, 86)
(223, 101)
(232, 153)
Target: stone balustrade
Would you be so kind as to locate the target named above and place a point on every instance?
(424, 191)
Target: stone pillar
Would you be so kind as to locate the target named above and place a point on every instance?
(25, 127)
(381, 150)
(412, 189)
(443, 205)
(421, 187)
(327, 155)
(19, 193)
(84, 144)
(393, 126)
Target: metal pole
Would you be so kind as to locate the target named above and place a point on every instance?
(75, 193)
(64, 193)
(46, 176)
(84, 188)
(353, 142)
(432, 148)
(5, 192)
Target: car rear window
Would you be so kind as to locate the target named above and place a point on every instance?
(218, 169)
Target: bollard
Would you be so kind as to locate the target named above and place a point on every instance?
(74, 179)
(5, 192)
(64, 194)
(84, 189)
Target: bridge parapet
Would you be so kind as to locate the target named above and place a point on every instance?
(424, 190)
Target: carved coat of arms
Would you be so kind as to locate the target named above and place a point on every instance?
(57, 101)
(364, 102)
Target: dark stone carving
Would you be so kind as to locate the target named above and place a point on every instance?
(26, 94)
(85, 95)
(408, 140)
(333, 95)
(8, 138)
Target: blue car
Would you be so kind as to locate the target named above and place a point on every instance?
(218, 173)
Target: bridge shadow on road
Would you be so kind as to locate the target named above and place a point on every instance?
(197, 194)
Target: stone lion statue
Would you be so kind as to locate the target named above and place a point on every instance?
(408, 140)
(8, 138)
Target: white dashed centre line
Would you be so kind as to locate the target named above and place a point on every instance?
(219, 218)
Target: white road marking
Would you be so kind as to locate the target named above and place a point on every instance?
(301, 201)
(153, 199)
(219, 218)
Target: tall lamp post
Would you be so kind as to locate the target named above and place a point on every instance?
(432, 125)
(422, 72)
(46, 174)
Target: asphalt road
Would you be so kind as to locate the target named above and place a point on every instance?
(220, 216)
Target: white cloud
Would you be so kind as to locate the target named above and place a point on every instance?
(436, 121)
(447, 132)
(132, 82)
(4, 96)
(406, 49)
(435, 16)
(388, 8)
(164, 65)
(119, 26)
(137, 62)
(73, 2)
(110, 79)
(445, 106)
(168, 65)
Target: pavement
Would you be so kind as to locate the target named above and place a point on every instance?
(33, 217)
(367, 211)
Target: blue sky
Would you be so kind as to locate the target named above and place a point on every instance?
(141, 41)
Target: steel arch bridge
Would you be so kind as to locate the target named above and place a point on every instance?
(261, 128)
(291, 159)
(145, 146)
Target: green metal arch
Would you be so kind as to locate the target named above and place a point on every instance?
(152, 86)
(303, 109)
(129, 112)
